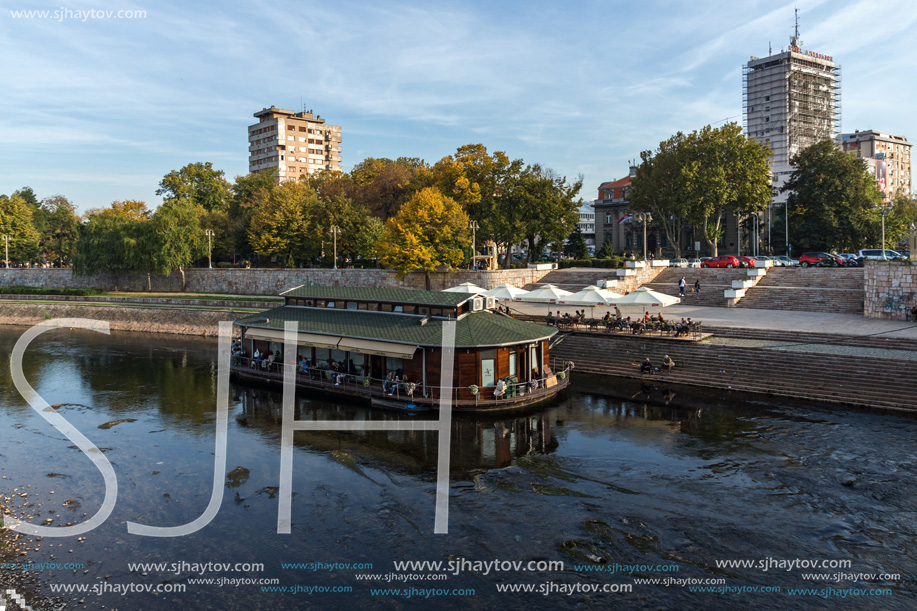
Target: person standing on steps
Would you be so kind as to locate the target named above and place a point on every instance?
(697, 288)
(681, 287)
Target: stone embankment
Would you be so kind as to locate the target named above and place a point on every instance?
(821, 368)
(143, 319)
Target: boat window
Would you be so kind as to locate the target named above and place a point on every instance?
(340, 305)
(329, 304)
(361, 305)
(399, 308)
(351, 305)
(512, 363)
(410, 309)
(385, 307)
(319, 303)
(339, 357)
(423, 310)
(393, 364)
(372, 307)
(321, 357)
(436, 311)
(310, 303)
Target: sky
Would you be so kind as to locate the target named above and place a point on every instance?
(99, 109)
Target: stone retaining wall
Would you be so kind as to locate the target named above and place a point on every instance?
(891, 289)
(150, 320)
(263, 281)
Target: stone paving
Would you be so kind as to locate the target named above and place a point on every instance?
(817, 347)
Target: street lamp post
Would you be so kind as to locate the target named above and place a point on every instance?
(6, 239)
(473, 226)
(786, 218)
(209, 233)
(334, 231)
(884, 212)
(646, 218)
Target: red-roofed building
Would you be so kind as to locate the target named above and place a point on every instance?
(613, 220)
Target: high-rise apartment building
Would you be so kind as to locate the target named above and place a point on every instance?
(293, 143)
(887, 156)
(791, 100)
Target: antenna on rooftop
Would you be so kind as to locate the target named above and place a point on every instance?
(794, 39)
(769, 50)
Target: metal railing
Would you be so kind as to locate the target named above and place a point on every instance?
(354, 384)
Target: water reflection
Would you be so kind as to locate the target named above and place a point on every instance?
(654, 476)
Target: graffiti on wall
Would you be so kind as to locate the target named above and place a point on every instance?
(895, 301)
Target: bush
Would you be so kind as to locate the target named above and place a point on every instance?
(28, 290)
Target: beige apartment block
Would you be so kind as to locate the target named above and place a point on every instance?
(293, 143)
(877, 147)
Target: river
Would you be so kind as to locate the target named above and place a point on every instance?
(582, 501)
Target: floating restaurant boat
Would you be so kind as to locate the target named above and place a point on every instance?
(386, 345)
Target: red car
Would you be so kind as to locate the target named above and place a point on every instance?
(746, 261)
(724, 261)
(818, 259)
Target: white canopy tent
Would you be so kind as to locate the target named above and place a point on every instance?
(546, 294)
(590, 296)
(646, 298)
(507, 292)
(466, 287)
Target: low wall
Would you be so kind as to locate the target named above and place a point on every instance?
(149, 320)
(263, 281)
(891, 289)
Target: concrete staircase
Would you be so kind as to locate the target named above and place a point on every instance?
(841, 379)
(839, 290)
(712, 281)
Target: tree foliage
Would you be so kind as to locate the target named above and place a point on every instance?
(430, 231)
(286, 223)
(198, 183)
(17, 222)
(114, 239)
(700, 178)
(833, 201)
(176, 237)
(58, 226)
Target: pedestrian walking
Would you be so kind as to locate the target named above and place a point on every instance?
(697, 288)
(681, 287)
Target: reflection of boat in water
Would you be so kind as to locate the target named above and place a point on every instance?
(479, 440)
(386, 345)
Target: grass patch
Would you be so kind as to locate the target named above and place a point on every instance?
(28, 290)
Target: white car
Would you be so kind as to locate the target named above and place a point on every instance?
(785, 261)
(678, 263)
(694, 263)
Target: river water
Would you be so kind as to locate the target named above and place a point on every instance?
(672, 484)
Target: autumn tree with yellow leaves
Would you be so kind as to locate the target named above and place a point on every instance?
(430, 231)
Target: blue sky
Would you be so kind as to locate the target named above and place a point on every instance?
(101, 109)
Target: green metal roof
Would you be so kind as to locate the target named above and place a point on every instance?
(477, 329)
(436, 298)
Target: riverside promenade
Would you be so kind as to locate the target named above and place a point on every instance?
(825, 358)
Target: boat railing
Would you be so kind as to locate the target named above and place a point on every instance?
(407, 391)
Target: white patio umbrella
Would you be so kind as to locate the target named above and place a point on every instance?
(465, 287)
(590, 296)
(506, 292)
(644, 298)
(546, 294)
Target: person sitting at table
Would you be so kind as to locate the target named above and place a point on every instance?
(606, 318)
(668, 363)
(646, 366)
(388, 386)
(550, 319)
(304, 365)
(636, 327)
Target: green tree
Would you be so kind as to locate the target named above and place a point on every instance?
(902, 213)
(247, 192)
(576, 246)
(430, 231)
(367, 237)
(382, 185)
(176, 237)
(549, 208)
(286, 222)
(114, 240)
(198, 183)
(607, 250)
(59, 228)
(833, 200)
(17, 222)
(659, 188)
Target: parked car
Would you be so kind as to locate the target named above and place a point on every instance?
(694, 262)
(724, 261)
(746, 261)
(819, 259)
(678, 263)
(785, 261)
(853, 260)
(875, 254)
